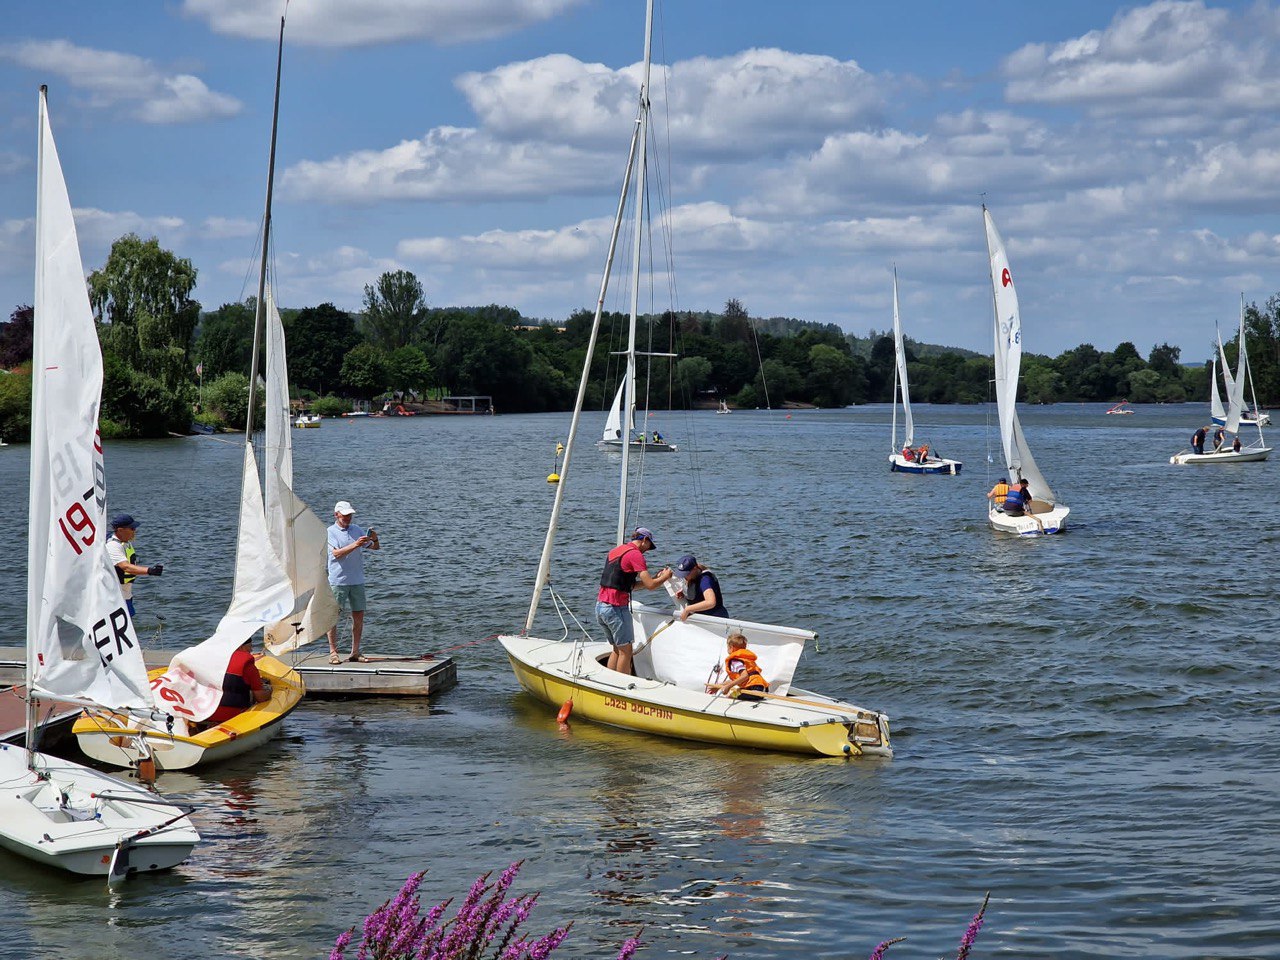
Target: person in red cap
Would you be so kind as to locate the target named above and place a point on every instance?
(624, 570)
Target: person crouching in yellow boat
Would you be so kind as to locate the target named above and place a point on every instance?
(744, 673)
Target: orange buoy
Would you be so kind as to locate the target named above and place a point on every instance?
(563, 715)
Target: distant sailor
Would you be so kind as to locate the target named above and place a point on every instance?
(701, 590)
(1197, 439)
(1014, 505)
(125, 559)
(997, 493)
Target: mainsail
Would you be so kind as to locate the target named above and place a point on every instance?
(296, 533)
(81, 644)
(900, 354)
(1008, 360)
(613, 425)
(1216, 411)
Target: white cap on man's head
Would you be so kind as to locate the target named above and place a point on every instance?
(344, 508)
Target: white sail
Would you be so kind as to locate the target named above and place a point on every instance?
(613, 425)
(1216, 411)
(900, 355)
(1227, 379)
(1235, 389)
(263, 595)
(297, 535)
(80, 641)
(1008, 360)
(1008, 339)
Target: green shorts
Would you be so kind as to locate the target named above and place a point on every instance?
(350, 598)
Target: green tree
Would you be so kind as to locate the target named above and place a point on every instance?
(692, 374)
(395, 311)
(224, 341)
(17, 338)
(15, 403)
(364, 373)
(735, 323)
(409, 369)
(142, 298)
(319, 338)
(227, 399)
(830, 381)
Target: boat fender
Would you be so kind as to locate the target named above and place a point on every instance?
(146, 770)
(565, 710)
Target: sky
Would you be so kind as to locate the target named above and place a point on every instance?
(1130, 154)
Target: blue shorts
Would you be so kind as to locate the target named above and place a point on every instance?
(350, 598)
(616, 622)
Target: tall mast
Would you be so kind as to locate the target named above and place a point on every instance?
(629, 390)
(260, 315)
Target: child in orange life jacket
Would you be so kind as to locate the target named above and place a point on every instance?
(744, 674)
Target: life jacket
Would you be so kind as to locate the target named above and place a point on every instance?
(694, 594)
(131, 556)
(742, 662)
(908, 454)
(999, 493)
(1013, 501)
(613, 576)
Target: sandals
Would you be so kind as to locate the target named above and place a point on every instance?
(358, 658)
(335, 659)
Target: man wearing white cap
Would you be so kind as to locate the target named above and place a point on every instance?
(347, 544)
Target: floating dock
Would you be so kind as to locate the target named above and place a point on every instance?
(380, 677)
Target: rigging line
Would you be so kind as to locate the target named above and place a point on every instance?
(760, 361)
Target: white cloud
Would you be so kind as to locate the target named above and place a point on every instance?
(351, 23)
(223, 228)
(121, 79)
(1171, 57)
(556, 125)
(757, 101)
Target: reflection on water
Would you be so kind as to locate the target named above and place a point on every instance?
(1084, 725)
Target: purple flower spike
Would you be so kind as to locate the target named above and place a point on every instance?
(542, 949)
(629, 947)
(970, 935)
(879, 951)
(340, 945)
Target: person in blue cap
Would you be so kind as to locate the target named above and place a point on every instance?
(701, 591)
(624, 570)
(125, 559)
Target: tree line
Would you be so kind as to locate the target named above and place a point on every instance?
(167, 362)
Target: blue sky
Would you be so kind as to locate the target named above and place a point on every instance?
(1129, 153)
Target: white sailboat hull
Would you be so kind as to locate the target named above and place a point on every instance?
(647, 447)
(1048, 518)
(900, 464)
(1224, 455)
(74, 818)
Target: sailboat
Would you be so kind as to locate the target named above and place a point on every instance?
(611, 439)
(674, 660)
(81, 645)
(1249, 416)
(724, 407)
(1043, 514)
(908, 459)
(1233, 417)
(275, 587)
(1121, 409)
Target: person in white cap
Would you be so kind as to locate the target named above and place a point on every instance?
(347, 544)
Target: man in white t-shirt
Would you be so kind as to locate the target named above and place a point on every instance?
(120, 549)
(347, 544)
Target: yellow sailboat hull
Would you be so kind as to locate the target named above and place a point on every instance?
(111, 738)
(801, 723)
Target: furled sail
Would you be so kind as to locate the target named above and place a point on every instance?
(192, 686)
(81, 643)
(298, 536)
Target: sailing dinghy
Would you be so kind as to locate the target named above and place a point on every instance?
(673, 660)
(611, 439)
(1044, 514)
(1234, 416)
(909, 459)
(276, 590)
(81, 645)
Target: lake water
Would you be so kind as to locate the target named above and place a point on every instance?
(1085, 725)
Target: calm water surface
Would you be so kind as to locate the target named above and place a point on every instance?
(1085, 725)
